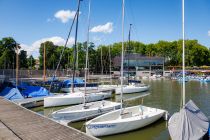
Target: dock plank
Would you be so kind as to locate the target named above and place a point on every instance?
(18, 123)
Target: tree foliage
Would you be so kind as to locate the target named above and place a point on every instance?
(195, 55)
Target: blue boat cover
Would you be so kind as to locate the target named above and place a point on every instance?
(209, 131)
(11, 93)
(134, 81)
(35, 91)
(76, 81)
(23, 85)
(54, 78)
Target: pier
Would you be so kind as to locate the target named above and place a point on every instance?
(18, 123)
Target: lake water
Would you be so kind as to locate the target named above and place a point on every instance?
(164, 94)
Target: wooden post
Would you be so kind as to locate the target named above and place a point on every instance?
(17, 57)
(44, 70)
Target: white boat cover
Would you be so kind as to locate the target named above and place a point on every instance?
(188, 124)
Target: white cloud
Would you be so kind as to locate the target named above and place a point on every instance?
(106, 28)
(209, 33)
(65, 15)
(34, 48)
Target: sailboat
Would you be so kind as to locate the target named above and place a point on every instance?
(85, 110)
(133, 86)
(124, 119)
(74, 97)
(189, 123)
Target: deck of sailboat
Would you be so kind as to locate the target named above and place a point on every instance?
(128, 113)
(89, 106)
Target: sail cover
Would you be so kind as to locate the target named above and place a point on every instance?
(11, 93)
(35, 91)
(188, 124)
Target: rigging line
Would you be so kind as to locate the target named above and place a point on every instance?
(136, 31)
(75, 46)
(64, 49)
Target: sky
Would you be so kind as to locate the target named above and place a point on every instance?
(31, 22)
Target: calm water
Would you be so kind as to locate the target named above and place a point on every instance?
(164, 94)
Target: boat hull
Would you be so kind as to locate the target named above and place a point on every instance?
(78, 112)
(121, 125)
(67, 90)
(71, 99)
(131, 89)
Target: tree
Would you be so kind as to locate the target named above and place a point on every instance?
(8, 52)
(23, 62)
(31, 62)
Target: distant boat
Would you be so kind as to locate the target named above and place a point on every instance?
(207, 79)
(132, 88)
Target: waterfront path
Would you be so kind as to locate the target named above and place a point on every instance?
(18, 123)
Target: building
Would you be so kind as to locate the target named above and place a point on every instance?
(138, 65)
(37, 64)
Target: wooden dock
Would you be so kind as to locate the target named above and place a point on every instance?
(18, 123)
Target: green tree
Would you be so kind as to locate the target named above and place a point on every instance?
(23, 63)
(31, 62)
(8, 52)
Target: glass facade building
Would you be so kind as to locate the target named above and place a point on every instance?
(139, 62)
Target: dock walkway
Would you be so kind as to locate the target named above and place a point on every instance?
(18, 123)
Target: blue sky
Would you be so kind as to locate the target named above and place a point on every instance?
(31, 22)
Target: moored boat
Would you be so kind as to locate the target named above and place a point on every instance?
(72, 99)
(133, 88)
(83, 112)
(129, 119)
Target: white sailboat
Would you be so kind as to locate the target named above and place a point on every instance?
(125, 119)
(85, 110)
(116, 122)
(132, 87)
(74, 97)
(190, 123)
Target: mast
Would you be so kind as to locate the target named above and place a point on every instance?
(183, 52)
(102, 71)
(44, 70)
(110, 64)
(122, 55)
(86, 60)
(77, 58)
(17, 57)
(129, 45)
(75, 46)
